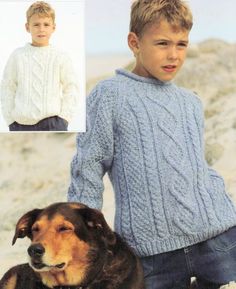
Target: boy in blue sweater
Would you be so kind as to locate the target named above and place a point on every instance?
(147, 133)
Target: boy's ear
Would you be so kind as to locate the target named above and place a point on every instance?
(133, 42)
(27, 27)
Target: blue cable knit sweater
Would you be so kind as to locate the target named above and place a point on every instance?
(148, 136)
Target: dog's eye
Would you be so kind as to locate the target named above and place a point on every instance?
(35, 229)
(64, 229)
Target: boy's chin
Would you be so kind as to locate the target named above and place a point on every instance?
(164, 77)
(161, 78)
(39, 44)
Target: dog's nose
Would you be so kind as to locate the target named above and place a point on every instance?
(36, 250)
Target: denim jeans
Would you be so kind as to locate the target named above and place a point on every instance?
(212, 262)
(53, 123)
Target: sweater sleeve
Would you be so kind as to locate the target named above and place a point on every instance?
(216, 180)
(70, 91)
(8, 89)
(94, 150)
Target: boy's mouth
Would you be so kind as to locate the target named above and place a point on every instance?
(169, 68)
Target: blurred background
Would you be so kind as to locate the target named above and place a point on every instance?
(35, 168)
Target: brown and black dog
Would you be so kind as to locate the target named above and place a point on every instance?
(72, 247)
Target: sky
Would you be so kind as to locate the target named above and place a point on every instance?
(107, 23)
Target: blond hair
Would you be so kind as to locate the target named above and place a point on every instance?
(147, 12)
(42, 9)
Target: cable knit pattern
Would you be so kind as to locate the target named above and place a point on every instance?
(148, 136)
(38, 82)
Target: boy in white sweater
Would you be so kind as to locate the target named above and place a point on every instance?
(38, 89)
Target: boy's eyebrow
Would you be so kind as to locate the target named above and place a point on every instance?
(170, 41)
(41, 22)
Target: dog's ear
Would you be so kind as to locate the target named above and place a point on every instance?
(23, 226)
(94, 219)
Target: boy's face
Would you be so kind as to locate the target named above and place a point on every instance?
(41, 29)
(160, 51)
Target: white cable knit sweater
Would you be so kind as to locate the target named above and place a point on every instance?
(38, 82)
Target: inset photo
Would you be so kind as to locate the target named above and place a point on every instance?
(42, 66)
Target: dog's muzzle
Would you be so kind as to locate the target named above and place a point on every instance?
(36, 252)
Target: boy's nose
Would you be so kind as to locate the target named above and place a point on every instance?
(172, 53)
(41, 28)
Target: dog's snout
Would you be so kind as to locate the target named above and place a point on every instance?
(36, 250)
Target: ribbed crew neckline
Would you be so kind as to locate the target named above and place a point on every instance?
(137, 77)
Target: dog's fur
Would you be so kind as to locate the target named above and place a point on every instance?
(73, 247)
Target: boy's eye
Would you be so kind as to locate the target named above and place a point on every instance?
(182, 45)
(163, 43)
